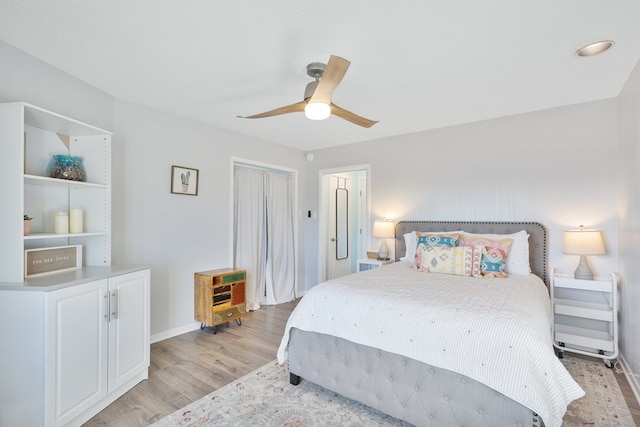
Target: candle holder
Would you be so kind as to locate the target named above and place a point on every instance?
(67, 167)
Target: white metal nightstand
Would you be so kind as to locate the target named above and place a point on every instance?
(585, 316)
(368, 264)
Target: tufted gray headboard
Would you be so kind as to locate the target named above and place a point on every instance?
(537, 237)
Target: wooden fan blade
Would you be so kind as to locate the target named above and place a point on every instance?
(331, 77)
(351, 117)
(298, 107)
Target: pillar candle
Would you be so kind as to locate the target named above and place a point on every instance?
(61, 223)
(75, 221)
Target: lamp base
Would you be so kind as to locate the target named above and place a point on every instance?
(383, 252)
(583, 271)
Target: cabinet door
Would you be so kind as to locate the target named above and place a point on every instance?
(129, 327)
(76, 350)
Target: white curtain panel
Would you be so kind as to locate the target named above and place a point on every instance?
(280, 276)
(250, 231)
(264, 235)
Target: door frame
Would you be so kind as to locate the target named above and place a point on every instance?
(323, 184)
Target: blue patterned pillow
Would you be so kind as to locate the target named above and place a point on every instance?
(437, 239)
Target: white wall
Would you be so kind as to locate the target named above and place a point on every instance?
(554, 166)
(25, 78)
(629, 209)
(178, 235)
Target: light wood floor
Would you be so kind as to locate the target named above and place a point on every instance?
(190, 366)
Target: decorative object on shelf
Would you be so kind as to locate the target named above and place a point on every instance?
(184, 180)
(52, 260)
(61, 223)
(583, 242)
(75, 221)
(27, 224)
(67, 167)
(383, 230)
(372, 254)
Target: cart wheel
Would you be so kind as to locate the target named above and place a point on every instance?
(609, 363)
(239, 322)
(202, 325)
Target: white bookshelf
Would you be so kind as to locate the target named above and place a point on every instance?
(30, 136)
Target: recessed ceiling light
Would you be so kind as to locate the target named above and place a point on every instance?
(594, 48)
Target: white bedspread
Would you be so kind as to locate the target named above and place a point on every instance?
(496, 331)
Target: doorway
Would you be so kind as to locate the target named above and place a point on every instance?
(344, 213)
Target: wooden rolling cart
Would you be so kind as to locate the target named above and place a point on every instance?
(219, 297)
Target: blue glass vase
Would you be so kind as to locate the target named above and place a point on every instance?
(67, 167)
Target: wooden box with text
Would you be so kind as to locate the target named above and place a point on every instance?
(52, 260)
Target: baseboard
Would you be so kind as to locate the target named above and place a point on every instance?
(631, 377)
(174, 332)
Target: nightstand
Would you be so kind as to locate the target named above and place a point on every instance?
(368, 264)
(585, 319)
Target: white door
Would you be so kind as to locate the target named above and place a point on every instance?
(76, 357)
(339, 247)
(128, 327)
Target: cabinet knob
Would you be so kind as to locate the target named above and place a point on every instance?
(229, 314)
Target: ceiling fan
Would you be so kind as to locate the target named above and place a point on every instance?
(317, 104)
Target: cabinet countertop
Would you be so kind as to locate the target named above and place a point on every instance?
(54, 281)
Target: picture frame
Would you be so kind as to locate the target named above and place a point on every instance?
(41, 261)
(184, 180)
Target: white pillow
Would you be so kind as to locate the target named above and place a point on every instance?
(518, 256)
(411, 243)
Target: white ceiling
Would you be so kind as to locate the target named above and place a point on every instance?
(415, 64)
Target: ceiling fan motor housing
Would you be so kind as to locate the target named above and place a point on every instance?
(315, 69)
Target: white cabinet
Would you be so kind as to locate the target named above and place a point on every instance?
(29, 137)
(71, 351)
(585, 316)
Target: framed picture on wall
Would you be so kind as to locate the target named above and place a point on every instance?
(184, 180)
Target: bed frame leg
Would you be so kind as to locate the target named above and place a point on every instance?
(294, 379)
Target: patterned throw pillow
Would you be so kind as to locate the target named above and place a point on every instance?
(458, 260)
(434, 239)
(494, 256)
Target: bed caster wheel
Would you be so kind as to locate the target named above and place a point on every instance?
(202, 325)
(560, 354)
(609, 363)
(239, 322)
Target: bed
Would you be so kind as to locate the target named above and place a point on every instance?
(438, 349)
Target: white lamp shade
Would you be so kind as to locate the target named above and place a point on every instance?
(383, 229)
(317, 110)
(583, 241)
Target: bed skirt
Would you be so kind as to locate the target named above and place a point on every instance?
(404, 388)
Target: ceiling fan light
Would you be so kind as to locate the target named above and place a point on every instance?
(317, 110)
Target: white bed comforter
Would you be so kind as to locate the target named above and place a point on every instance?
(496, 331)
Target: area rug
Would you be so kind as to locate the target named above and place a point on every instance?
(264, 397)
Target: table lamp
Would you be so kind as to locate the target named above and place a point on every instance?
(383, 230)
(583, 242)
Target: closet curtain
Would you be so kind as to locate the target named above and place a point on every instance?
(264, 235)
